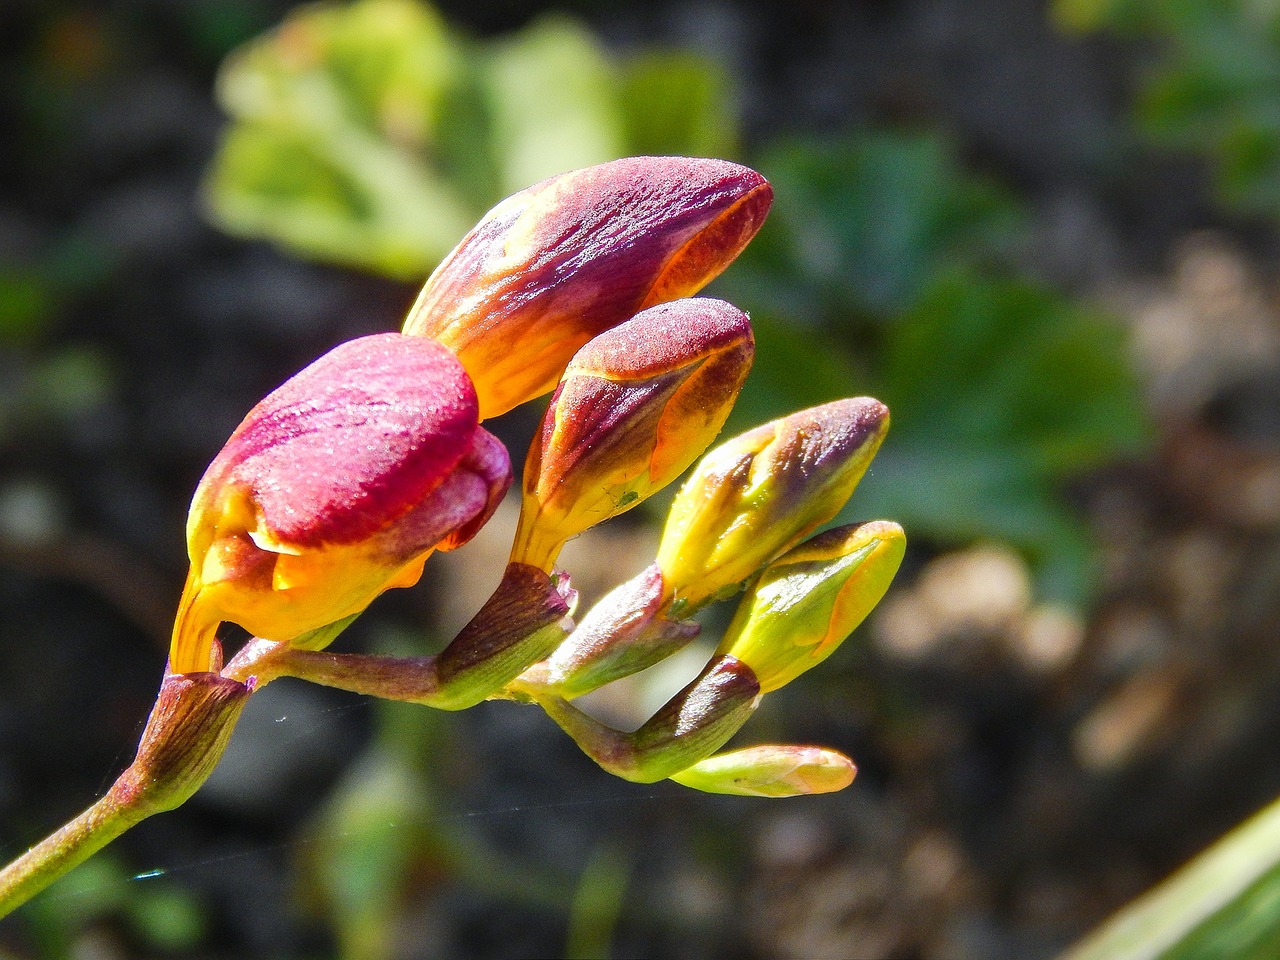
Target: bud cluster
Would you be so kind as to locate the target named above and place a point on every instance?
(341, 483)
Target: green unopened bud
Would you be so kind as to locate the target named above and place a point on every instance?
(771, 770)
(635, 407)
(810, 599)
(622, 634)
(759, 494)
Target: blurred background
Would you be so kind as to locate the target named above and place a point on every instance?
(1043, 231)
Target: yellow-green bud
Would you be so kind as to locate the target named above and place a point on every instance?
(770, 770)
(811, 598)
(752, 498)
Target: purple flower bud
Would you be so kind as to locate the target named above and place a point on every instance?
(635, 408)
(554, 265)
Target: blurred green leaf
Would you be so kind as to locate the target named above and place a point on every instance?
(797, 365)
(676, 102)
(868, 220)
(330, 155)
(1224, 903)
(369, 135)
(169, 918)
(1001, 390)
(1214, 89)
(26, 303)
(554, 102)
(597, 904)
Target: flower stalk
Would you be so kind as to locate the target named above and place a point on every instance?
(183, 740)
(341, 483)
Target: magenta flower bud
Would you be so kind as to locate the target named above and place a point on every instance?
(636, 406)
(334, 488)
(757, 495)
(554, 265)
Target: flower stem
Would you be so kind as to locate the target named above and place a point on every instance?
(185, 736)
(70, 845)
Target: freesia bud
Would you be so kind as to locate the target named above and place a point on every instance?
(334, 488)
(771, 770)
(811, 598)
(634, 409)
(757, 495)
(692, 725)
(562, 261)
(622, 634)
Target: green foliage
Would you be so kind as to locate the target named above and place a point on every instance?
(862, 224)
(25, 304)
(372, 135)
(1001, 389)
(158, 912)
(1224, 903)
(1214, 89)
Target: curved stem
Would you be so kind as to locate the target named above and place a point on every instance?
(69, 846)
(185, 737)
(692, 725)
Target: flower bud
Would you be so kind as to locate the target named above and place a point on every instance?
(696, 722)
(811, 598)
(334, 488)
(634, 409)
(771, 770)
(622, 634)
(554, 265)
(693, 724)
(751, 498)
(185, 737)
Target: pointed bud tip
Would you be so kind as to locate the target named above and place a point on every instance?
(577, 254)
(771, 770)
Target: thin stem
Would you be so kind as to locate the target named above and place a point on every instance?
(522, 622)
(68, 847)
(185, 736)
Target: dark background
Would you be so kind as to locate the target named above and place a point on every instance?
(1026, 767)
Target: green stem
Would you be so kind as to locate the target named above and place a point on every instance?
(68, 847)
(185, 737)
(692, 725)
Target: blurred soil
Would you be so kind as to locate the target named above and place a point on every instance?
(1022, 773)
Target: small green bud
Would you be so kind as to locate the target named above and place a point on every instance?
(811, 598)
(770, 770)
(752, 498)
